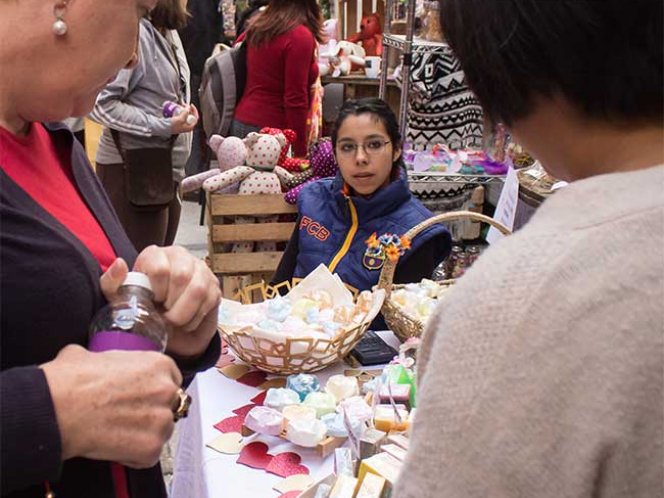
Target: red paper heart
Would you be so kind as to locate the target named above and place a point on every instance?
(286, 464)
(243, 410)
(230, 424)
(291, 494)
(259, 399)
(255, 455)
(254, 378)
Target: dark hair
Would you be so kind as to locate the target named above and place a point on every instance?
(281, 16)
(604, 56)
(379, 109)
(169, 14)
(242, 18)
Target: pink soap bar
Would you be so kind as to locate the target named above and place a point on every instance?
(264, 420)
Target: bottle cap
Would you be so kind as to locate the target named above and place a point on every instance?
(137, 278)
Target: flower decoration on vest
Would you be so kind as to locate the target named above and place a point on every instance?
(388, 245)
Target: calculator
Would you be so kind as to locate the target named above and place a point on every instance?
(372, 350)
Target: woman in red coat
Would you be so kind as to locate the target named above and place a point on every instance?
(281, 67)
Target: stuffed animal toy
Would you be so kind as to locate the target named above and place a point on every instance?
(325, 49)
(370, 35)
(323, 165)
(292, 164)
(254, 175)
(346, 57)
(230, 152)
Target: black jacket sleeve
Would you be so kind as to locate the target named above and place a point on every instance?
(286, 267)
(31, 445)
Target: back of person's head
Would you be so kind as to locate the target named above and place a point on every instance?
(281, 16)
(605, 57)
(381, 112)
(169, 14)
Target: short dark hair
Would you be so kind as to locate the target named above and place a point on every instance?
(169, 14)
(382, 112)
(604, 56)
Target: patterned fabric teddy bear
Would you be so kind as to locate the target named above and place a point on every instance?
(323, 165)
(255, 177)
(230, 152)
(292, 164)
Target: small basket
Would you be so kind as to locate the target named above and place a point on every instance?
(289, 355)
(401, 323)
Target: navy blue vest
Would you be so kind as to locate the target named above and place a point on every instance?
(326, 218)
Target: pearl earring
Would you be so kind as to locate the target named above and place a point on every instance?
(59, 25)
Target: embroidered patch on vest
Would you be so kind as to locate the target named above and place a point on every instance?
(314, 228)
(373, 261)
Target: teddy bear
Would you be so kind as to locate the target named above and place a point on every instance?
(329, 44)
(230, 152)
(254, 175)
(346, 57)
(370, 35)
(323, 165)
(292, 164)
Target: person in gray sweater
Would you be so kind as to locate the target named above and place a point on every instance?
(541, 372)
(132, 106)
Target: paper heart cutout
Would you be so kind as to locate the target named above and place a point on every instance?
(291, 494)
(243, 410)
(255, 455)
(230, 424)
(259, 399)
(297, 483)
(254, 378)
(286, 464)
(235, 371)
(229, 443)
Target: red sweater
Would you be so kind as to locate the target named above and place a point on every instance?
(45, 175)
(279, 75)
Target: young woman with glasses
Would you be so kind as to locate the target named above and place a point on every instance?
(369, 195)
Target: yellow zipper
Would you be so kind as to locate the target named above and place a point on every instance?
(349, 237)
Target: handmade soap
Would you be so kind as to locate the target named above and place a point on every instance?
(278, 398)
(370, 442)
(264, 420)
(323, 491)
(382, 465)
(344, 463)
(306, 432)
(395, 451)
(356, 409)
(342, 387)
(297, 412)
(400, 440)
(371, 486)
(387, 419)
(323, 403)
(303, 384)
(344, 487)
(335, 424)
(400, 394)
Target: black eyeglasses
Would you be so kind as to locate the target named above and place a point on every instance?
(370, 147)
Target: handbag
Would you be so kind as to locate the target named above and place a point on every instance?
(148, 174)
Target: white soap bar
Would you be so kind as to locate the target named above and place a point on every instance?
(323, 403)
(342, 387)
(306, 432)
(264, 420)
(278, 398)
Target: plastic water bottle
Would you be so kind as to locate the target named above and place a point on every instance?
(131, 321)
(170, 109)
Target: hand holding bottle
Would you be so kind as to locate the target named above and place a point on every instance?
(184, 287)
(183, 117)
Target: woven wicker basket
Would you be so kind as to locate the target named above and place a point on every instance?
(401, 323)
(285, 355)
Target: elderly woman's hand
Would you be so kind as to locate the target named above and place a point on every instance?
(184, 287)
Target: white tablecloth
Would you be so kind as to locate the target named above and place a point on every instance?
(201, 472)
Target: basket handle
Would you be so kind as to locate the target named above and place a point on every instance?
(387, 273)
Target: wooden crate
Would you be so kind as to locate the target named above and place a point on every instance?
(242, 269)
